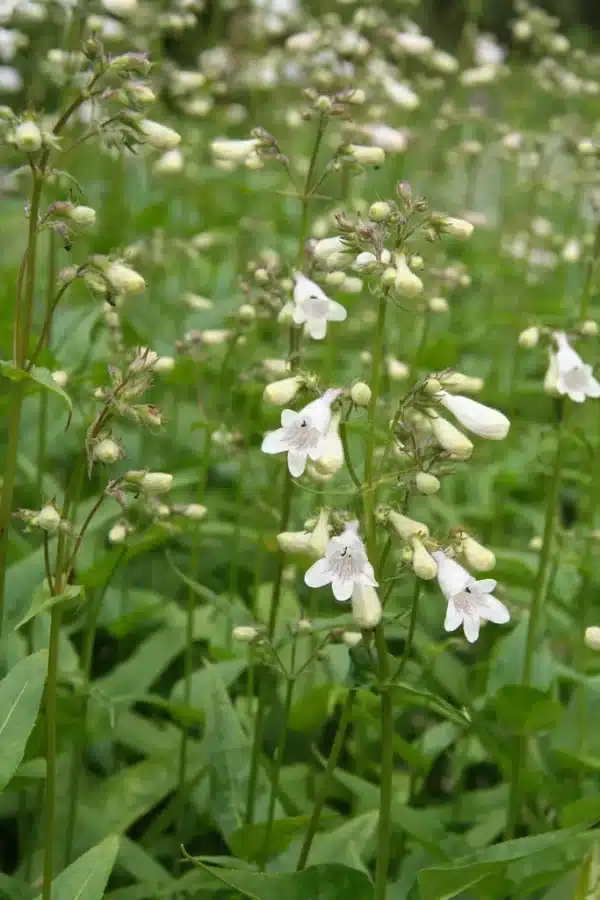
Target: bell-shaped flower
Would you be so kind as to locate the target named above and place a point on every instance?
(469, 601)
(406, 283)
(366, 606)
(476, 555)
(476, 417)
(344, 565)
(302, 434)
(423, 564)
(313, 308)
(319, 536)
(278, 393)
(332, 458)
(568, 374)
(294, 541)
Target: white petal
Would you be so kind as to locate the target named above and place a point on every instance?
(342, 588)
(319, 413)
(451, 576)
(319, 574)
(336, 312)
(296, 463)
(471, 628)
(316, 452)
(298, 315)
(476, 417)
(593, 387)
(485, 586)
(491, 609)
(288, 417)
(453, 617)
(367, 576)
(575, 396)
(274, 442)
(317, 328)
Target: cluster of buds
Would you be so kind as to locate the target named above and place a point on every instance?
(47, 519)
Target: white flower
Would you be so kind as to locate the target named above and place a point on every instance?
(458, 228)
(278, 393)
(319, 537)
(573, 377)
(313, 308)
(449, 437)
(413, 43)
(107, 451)
(476, 555)
(392, 140)
(366, 606)
(456, 382)
(10, 80)
(345, 564)
(396, 369)
(366, 155)
(234, 151)
(332, 458)
(159, 136)
(332, 252)
(169, 163)
(84, 216)
(469, 601)
(479, 75)
(156, 482)
(487, 51)
(28, 137)
(423, 563)
(245, 634)
(123, 279)
(529, 337)
(476, 417)
(294, 541)
(302, 434)
(407, 528)
(401, 94)
(426, 483)
(360, 394)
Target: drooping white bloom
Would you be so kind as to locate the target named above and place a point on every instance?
(529, 337)
(449, 437)
(28, 137)
(302, 434)
(476, 417)
(469, 601)
(10, 80)
(332, 458)
(456, 382)
(366, 606)
(400, 94)
(344, 565)
(169, 163)
(278, 393)
(313, 308)
(236, 151)
(413, 43)
(366, 155)
(423, 564)
(568, 374)
(159, 136)
(476, 555)
(392, 140)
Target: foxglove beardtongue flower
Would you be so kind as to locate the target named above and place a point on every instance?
(571, 376)
(476, 417)
(469, 601)
(344, 565)
(313, 308)
(366, 606)
(302, 434)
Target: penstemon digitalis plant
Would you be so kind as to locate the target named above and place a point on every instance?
(339, 476)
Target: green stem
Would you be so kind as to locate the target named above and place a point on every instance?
(411, 629)
(384, 831)
(50, 706)
(276, 771)
(322, 124)
(369, 488)
(336, 749)
(535, 616)
(257, 742)
(347, 458)
(584, 306)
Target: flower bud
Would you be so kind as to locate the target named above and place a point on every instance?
(427, 483)
(60, 377)
(144, 359)
(379, 211)
(458, 228)
(485, 421)
(163, 365)
(589, 328)
(432, 386)
(396, 369)
(170, 163)
(366, 606)
(333, 252)
(194, 511)
(477, 556)
(360, 394)
(150, 482)
(456, 382)
(407, 528)
(246, 313)
(407, 284)
(365, 154)
(303, 626)
(48, 519)
(294, 541)
(351, 285)
(212, 337)
(234, 151)
(529, 337)
(423, 564)
(351, 638)
(438, 305)
(365, 259)
(335, 278)
(84, 216)
(388, 276)
(28, 137)
(107, 451)
(332, 457)
(279, 393)
(123, 279)
(117, 533)
(120, 7)
(592, 637)
(245, 634)
(449, 437)
(159, 136)
(275, 368)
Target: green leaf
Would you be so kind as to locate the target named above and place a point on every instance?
(20, 697)
(525, 709)
(13, 889)
(86, 878)
(506, 662)
(444, 883)
(326, 882)
(36, 378)
(248, 841)
(581, 811)
(43, 600)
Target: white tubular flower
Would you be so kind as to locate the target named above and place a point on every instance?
(275, 368)
(117, 533)
(413, 43)
(194, 511)
(332, 458)
(396, 369)
(423, 564)
(319, 537)
(392, 140)
(278, 393)
(364, 260)
(302, 434)
(407, 284)
(407, 528)
(159, 136)
(48, 519)
(551, 376)
(28, 137)
(529, 337)
(400, 94)
(345, 564)
(450, 438)
(457, 383)
(123, 279)
(333, 253)
(469, 601)
(313, 308)
(156, 483)
(144, 359)
(574, 378)
(164, 365)
(476, 417)
(366, 154)
(294, 541)
(476, 555)
(458, 228)
(592, 637)
(366, 606)
(234, 151)
(169, 163)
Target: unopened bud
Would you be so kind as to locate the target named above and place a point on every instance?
(458, 228)
(84, 216)
(366, 606)
(529, 337)
(28, 137)
(279, 393)
(159, 136)
(407, 528)
(407, 284)
(194, 511)
(360, 393)
(476, 555)
(48, 518)
(245, 634)
(589, 328)
(592, 637)
(366, 154)
(107, 451)
(123, 279)
(163, 365)
(379, 211)
(423, 564)
(427, 483)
